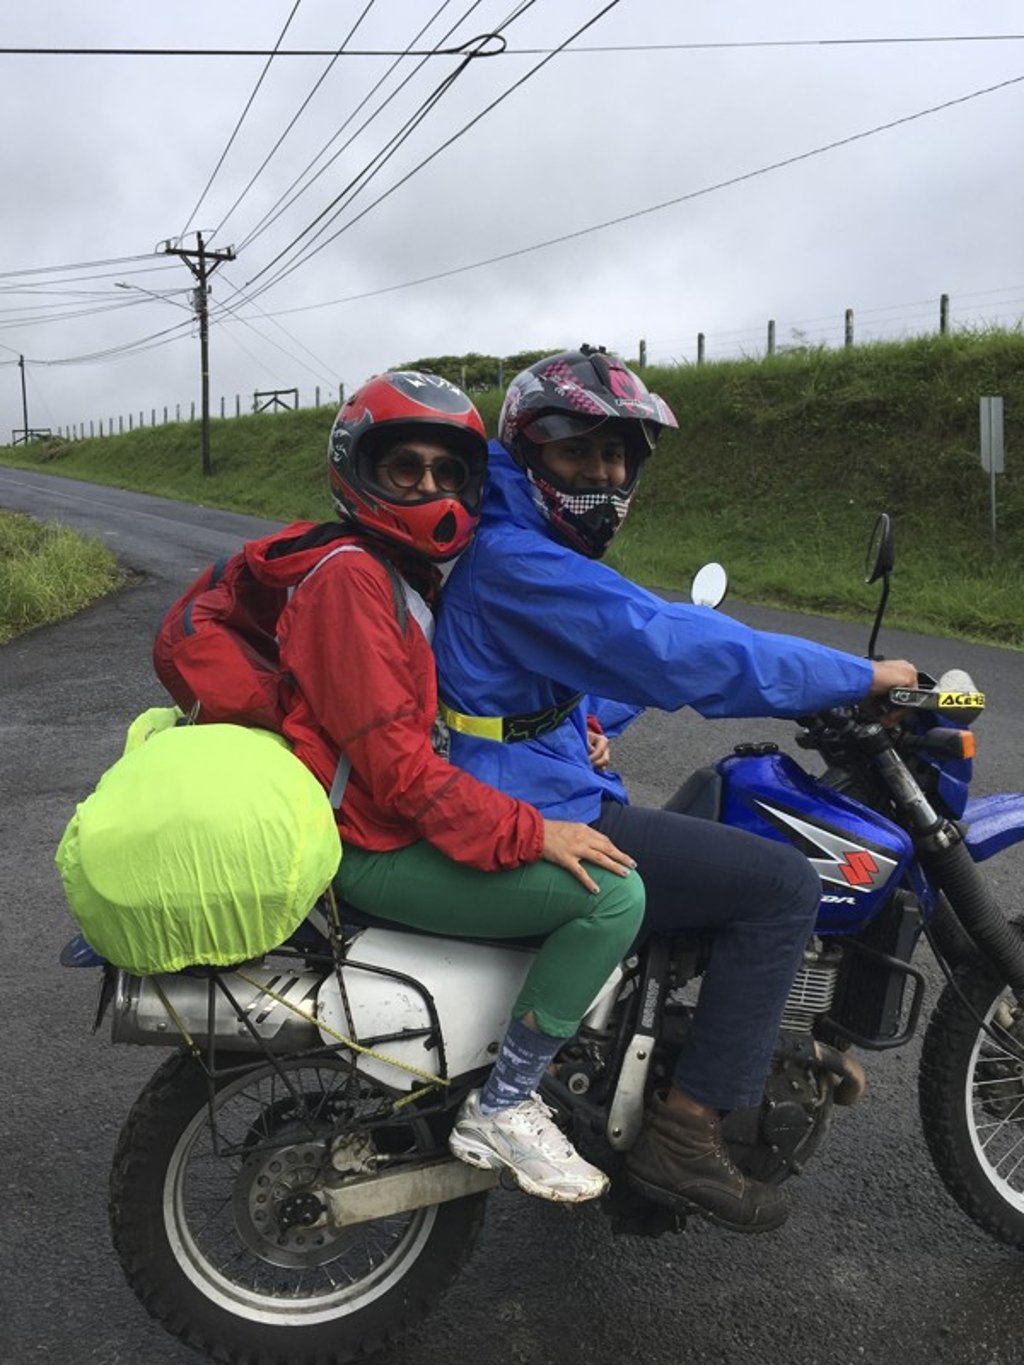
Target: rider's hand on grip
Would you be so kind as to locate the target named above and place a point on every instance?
(887, 674)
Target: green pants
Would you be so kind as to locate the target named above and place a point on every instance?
(585, 935)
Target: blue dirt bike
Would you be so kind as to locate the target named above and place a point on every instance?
(282, 1188)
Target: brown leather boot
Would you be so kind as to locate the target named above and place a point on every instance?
(680, 1160)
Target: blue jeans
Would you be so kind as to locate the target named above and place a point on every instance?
(758, 899)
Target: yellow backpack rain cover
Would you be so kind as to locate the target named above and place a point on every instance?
(202, 845)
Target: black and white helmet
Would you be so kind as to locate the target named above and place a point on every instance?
(571, 394)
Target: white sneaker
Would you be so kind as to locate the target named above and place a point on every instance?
(524, 1140)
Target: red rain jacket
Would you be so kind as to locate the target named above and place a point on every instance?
(365, 688)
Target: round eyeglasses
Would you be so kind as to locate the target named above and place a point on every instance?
(408, 470)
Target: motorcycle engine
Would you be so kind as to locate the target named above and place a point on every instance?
(776, 1138)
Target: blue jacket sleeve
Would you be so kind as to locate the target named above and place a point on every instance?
(577, 622)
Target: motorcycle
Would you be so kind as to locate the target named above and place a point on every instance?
(282, 1190)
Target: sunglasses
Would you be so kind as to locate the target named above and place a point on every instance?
(406, 470)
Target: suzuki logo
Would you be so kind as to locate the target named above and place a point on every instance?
(844, 863)
(858, 868)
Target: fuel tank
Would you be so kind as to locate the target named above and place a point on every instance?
(860, 855)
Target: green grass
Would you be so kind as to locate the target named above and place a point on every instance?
(48, 573)
(778, 469)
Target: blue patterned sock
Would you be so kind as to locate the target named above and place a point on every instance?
(523, 1059)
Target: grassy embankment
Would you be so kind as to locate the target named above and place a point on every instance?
(778, 469)
(48, 573)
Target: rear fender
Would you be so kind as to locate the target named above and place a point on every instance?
(398, 983)
(994, 823)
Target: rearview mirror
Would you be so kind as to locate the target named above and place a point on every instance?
(710, 584)
(879, 559)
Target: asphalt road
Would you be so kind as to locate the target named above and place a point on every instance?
(876, 1263)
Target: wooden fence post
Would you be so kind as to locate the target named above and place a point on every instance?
(944, 315)
(165, 415)
(131, 418)
(848, 328)
(700, 348)
(642, 353)
(238, 405)
(771, 336)
(192, 411)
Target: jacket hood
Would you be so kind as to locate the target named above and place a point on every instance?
(508, 496)
(285, 557)
(282, 558)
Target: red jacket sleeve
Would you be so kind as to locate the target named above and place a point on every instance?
(372, 690)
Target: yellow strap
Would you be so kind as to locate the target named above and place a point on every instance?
(483, 727)
(340, 1037)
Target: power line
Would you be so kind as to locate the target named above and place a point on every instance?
(325, 371)
(241, 119)
(279, 206)
(296, 116)
(26, 317)
(80, 265)
(57, 286)
(302, 259)
(656, 208)
(505, 51)
(368, 172)
(145, 343)
(52, 312)
(396, 140)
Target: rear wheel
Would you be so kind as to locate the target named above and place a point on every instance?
(225, 1243)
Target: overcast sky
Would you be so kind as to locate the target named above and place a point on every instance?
(103, 158)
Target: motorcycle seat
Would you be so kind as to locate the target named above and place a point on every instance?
(354, 918)
(699, 796)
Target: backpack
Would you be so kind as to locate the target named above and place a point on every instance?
(202, 845)
(216, 649)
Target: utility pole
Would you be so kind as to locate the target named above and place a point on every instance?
(202, 263)
(24, 398)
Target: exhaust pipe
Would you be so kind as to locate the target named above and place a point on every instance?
(850, 1078)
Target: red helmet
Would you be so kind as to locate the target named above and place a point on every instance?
(407, 405)
(567, 395)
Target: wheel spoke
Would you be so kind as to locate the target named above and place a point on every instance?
(226, 1212)
(1008, 1177)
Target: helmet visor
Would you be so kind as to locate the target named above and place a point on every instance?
(561, 426)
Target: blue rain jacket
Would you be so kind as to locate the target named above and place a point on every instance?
(526, 622)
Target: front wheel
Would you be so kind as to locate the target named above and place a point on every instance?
(215, 1236)
(971, 1093)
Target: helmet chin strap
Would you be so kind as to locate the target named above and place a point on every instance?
(600, 525)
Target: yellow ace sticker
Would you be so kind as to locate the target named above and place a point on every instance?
(961, 701)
